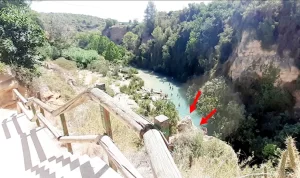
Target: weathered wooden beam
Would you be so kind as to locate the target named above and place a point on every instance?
(40, 104)
(79, 139)
(162, 123)
(22, 109)
(66, 132)
(107, 124)
(41, 109)
(161, 160)
(52, 129)
(18, 95)
(78, 100)
(34, 113)
(124, 166)
(117, 111)
(19, 110)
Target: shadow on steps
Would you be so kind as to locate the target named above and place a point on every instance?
(86, 169)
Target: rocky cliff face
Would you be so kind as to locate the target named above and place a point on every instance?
(249, 56)
(115, 33)
(7, 84)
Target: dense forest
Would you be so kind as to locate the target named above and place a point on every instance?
(255, 113)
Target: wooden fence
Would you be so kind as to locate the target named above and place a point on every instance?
(162, 163)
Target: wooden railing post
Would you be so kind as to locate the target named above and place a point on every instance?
(107, 124)
(66, 132)
(265, 171)
(161, 122)
(34, 115)
(41, 109)
(107, 127)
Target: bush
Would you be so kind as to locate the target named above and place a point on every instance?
(24, 75)
(66, 64)
(81, 56)
(133, 71)
(168, 109)
(124, 89)
(2, 68)
(101, 66)
(187, 146)
(48, 51)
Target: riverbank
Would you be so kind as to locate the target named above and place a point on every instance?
(176, 92)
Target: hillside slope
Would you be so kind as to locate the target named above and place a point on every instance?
(69, 24)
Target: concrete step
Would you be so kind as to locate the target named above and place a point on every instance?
(34, 153)
(101, 169)
(15, 125)
(29, 149)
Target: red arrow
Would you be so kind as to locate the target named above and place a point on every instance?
(193, 105)
(205, 119)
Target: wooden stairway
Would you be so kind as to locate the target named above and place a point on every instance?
(26, 151)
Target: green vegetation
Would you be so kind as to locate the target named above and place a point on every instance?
(80, 56)
(19, 36)
(2, 68)
(230, 112)
(101, 66)
(70, 24)
(66, 64)
(168, 109)
(136, 83)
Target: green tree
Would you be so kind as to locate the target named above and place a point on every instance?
(149, 19)
(130, 41)
(230, 113)
(110, 22)
(112, 52)
(19, 37)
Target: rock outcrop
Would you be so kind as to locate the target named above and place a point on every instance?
(7, 84)
(115, 33)
(249, 56)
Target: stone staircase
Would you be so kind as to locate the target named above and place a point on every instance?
(27, 152)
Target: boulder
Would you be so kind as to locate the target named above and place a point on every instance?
(186, 124)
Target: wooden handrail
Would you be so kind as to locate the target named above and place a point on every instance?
(79, 138)
(132, 119)
(52, 129)
(125, 167)
(161, 160)
(22, 109)
(18, 94)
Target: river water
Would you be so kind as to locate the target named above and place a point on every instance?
(176, 92)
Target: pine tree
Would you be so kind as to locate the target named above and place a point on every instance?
(150, 14)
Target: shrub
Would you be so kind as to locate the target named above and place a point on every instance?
(81, 56)
(66, 64)
(24, 75)
(133, 71)
(124, 89)
(101, 66)
(2, 68)
(168, 109)
(187, 146)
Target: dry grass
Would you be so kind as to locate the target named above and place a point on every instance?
(86, 119)
(66, 64)
(198, 157)
(57, 83)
